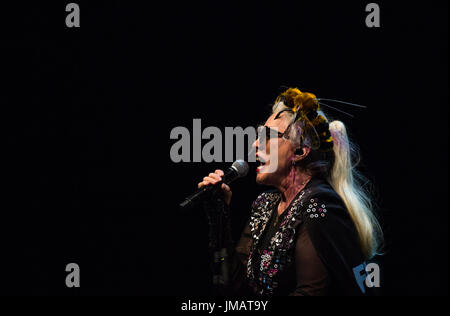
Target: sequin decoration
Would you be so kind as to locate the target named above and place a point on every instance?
(275, 258)
(280, 252)
(265, 259)
(318, 210)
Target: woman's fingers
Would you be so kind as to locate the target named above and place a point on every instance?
(219, 172)
(214, 178)
(210, 180)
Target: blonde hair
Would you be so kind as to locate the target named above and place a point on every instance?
(350, 185)
(346, 181)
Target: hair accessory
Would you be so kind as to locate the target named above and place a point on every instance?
(315, 127)
(305, 107)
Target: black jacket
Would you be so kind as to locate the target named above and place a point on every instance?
(311, 249)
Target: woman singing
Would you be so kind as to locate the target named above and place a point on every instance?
(307, 236)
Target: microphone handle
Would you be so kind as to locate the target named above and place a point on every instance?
(191, 200)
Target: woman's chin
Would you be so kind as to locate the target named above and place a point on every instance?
(261, 178)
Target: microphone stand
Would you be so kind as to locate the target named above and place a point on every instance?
(218, 216)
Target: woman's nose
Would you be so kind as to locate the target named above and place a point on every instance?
(255, 145)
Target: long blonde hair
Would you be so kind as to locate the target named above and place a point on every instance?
(350, 185)
(346, 180)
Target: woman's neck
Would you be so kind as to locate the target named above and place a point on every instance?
(291, 186)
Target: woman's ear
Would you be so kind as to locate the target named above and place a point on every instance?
(301, 154)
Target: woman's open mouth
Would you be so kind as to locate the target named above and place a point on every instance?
(262, 163)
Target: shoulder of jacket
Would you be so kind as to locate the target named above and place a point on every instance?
(323, 202)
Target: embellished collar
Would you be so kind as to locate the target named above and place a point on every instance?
(276, 256)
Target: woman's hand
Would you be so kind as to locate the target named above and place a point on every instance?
(214, 178)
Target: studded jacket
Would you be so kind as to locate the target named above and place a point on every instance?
(310, 250)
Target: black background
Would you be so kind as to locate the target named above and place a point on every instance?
(88, 112)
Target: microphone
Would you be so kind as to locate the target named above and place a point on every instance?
(239, 169)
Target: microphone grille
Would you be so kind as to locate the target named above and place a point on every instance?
(241, 168)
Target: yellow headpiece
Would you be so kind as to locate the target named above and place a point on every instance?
(305, 106)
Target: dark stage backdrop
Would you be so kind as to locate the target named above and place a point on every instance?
(88, 113)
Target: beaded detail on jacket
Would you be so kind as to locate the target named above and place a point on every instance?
(280, 251)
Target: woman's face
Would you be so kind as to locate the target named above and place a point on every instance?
(276, 155)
